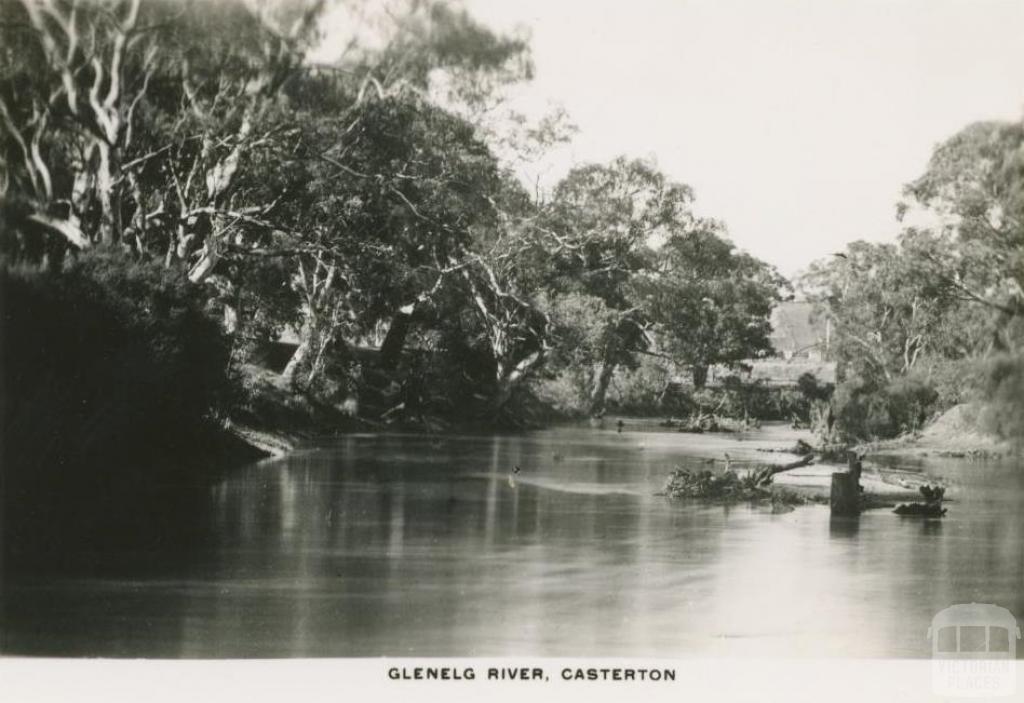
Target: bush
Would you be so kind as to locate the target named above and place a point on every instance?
(1005, 392)
(564, 391)
(107, 360)
(640, 390)
(866, 411)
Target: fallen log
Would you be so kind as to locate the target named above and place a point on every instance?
(764, 475)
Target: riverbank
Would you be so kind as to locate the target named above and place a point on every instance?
(276, 420)
(957, 433)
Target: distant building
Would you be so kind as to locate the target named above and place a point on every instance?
(797, 333)
(801, 340)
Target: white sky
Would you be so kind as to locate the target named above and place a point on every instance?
(796, 121)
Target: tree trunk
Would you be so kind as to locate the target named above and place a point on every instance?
(324, 340)
(600, 389)
(209, 256)
(394, 340)
(700, 376)
(844, 498)
(502, 395)
(230, 318)
(302, 352)
(507, 378)
(110, 210)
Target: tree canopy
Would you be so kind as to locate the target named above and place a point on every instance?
(371, 202)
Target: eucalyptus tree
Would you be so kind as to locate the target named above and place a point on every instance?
(710, 302)
(973, 194)
(407, 181)
(601, 224)
(888, 312)
(72, 77)
(379, 212)
(99, 98)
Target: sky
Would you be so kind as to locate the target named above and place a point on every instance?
(796, 122)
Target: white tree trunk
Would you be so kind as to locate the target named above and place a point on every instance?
(600, 389)
(306, 345)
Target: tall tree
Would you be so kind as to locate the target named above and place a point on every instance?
(711, 303)
(602, 221)
(887, 314)
(75, 81)
(973, 189)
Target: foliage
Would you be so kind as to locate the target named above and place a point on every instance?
(918, 324)
(641, 389)
(867, 411)
(108, 358)
(730, 487)
(1005, 389)
(727, 486)
(974, 185)
(712, 303)
(360, 200)
(814, 390)
(887, 315)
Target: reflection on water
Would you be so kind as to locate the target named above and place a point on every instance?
(403, 545)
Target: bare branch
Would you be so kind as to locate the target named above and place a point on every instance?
(68, 229)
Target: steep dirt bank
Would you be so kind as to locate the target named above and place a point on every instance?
(955, 433)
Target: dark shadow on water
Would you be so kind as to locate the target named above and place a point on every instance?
(843, 526)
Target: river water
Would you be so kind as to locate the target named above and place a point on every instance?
(406, 545)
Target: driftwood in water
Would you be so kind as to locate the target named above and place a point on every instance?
(932, 507)
(729, 486)
(764, 475)
(801, 448)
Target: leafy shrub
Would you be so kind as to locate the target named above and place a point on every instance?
(1005, 392)
(866, 411)
(563, 391)
(110, 358)
(640, 390)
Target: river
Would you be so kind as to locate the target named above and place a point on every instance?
(407, 545)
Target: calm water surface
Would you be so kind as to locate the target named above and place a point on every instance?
(407, 545)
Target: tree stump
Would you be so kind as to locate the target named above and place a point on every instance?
(844, 498)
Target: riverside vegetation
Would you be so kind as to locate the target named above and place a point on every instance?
(180, 185)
